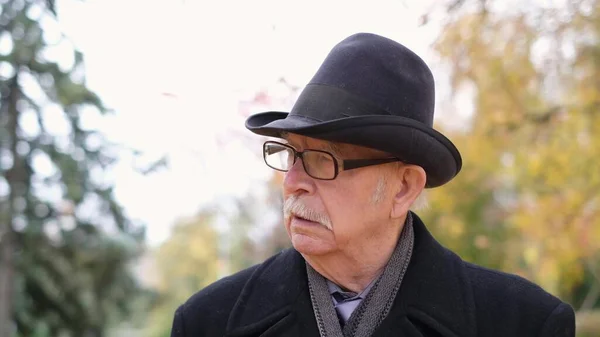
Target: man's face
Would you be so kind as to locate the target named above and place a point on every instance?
(348, 212)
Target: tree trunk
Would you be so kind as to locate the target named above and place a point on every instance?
(7, 243)
(6, 276)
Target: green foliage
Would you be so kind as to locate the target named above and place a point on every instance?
(185, 263)
(70, 242)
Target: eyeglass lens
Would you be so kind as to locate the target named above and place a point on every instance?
(317, 164)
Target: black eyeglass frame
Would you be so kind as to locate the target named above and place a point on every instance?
(347, 164)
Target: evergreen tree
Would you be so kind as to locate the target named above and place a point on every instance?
(65, 242)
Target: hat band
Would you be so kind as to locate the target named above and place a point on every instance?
(326, 103)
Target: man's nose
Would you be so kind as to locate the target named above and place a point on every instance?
(297, 181)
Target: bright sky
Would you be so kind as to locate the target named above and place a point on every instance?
(208, 56)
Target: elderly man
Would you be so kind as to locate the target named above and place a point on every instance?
(358, 148)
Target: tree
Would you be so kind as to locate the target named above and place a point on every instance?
(65, 242)
(187, 262)
(257, 226)
(527, 200)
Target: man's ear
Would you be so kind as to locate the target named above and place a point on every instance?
(412, 180)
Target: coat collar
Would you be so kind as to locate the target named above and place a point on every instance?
(435, 296)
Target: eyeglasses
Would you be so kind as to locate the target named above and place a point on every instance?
(317, 164)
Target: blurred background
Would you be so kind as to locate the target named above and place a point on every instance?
(128, 181)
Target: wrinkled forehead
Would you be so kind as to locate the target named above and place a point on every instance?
(303, 142)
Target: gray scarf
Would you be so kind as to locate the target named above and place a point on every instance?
(375, 307)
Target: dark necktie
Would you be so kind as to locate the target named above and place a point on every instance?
(342, 298)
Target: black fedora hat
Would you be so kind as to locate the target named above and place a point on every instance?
(373, 92)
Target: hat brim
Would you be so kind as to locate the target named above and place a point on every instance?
(407, 139)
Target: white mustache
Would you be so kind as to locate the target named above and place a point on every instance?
(293, 206)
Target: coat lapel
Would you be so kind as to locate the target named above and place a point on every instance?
(434, 299)
(275, 301)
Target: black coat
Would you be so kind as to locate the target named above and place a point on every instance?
(441, 295)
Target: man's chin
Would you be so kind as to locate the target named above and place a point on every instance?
(311, 245)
